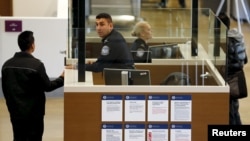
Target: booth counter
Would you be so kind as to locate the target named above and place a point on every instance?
(88, 112)
(84, 104)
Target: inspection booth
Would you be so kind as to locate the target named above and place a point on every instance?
(184, 111)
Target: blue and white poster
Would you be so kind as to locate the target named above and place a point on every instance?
(157, 132)
(180, 132)
(158, 108)
(135, 108)
(181, 108)
(112, 108)
(111, 132)
(134, 132)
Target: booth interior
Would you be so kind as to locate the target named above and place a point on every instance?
(171, 48)
(84, 107)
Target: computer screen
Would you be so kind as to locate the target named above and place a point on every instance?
(164, 50)
(126, 76)
(142, 56)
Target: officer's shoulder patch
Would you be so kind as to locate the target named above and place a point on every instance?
(140, 52)
(105, 50)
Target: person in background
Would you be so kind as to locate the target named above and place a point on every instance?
(24, 83)
(115, 52)
(233, 68)
(142, 30)
(163, 3)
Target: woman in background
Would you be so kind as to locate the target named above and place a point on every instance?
(142, 30)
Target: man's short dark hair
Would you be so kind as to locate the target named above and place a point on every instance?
(25, 40)
(105, 16)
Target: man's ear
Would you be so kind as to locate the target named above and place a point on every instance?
(111, 25)
(33, 47)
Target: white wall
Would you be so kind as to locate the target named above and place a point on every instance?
(40, 8)
(51, 35)
(35, 8)
(62, 8)
(48, 19)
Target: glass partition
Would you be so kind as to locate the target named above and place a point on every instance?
(169, 26)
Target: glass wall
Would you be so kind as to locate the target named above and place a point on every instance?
(169, 26)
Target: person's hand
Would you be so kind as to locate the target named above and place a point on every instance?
(89, 62)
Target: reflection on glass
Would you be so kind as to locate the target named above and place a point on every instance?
(169, 26)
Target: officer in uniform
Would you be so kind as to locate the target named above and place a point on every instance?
(140, 50)
(115, 52)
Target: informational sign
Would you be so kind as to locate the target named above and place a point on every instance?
(158, 108)
(157, 132)
(112, 108)
(135, 108)
(134, 132)
(111, 132)
(180, 132)
(13, 26)
(181, 108)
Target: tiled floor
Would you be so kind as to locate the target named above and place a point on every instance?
(53, 121)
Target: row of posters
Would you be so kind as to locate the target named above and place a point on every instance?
(157, 108)
(155, 132)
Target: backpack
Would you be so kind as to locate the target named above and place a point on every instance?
(237, 57)
(176, 78)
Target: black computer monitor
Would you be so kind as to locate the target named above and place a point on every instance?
(142, 56)
(126, 76)
(164, 50)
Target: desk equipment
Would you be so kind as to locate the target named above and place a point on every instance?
(114, 76)
(164, 50)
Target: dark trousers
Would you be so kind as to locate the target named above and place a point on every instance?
(28, 129)
(234, 115)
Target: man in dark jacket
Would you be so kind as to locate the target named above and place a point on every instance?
(115, 53)
(24, 83)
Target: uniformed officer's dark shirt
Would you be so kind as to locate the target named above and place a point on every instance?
(140, 51)
(114, 54)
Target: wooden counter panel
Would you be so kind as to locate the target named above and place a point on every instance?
(208, 109)
(82, 114)
(82, 117)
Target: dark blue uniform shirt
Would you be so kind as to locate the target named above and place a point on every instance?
(114, 54)
(140, 51)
